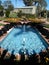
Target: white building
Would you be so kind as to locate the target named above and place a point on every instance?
(26, 9)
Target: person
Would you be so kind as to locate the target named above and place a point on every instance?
(17, 57)
(7, 56)
(1, 51)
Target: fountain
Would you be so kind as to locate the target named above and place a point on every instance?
(23, 42)
(24, 39)
(24, 28)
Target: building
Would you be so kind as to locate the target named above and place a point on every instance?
(26, 9)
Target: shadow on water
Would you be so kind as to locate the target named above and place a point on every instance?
(19, 33)
(27, 29)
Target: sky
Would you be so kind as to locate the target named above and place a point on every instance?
(19, 3)
(47, 4)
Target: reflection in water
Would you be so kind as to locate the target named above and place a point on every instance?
(24, 28)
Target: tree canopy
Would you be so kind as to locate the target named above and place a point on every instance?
(8, 4)
(1, 9)
(10, 7)
(0, 2)
(41, 3)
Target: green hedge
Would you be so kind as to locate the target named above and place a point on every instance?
(2, 24)
(47, 26)
(20, 14)
(13, 15)
(29, 15)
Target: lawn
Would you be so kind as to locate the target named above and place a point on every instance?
(13, 15)
(47, 26)
(48, 19)
(2, 18)
(2, 24)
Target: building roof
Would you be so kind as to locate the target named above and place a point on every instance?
(25, 7)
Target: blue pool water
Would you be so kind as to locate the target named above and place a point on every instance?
(24, 39)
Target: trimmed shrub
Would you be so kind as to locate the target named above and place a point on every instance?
(19, 14)
(13, 15)
(28, 15)
(1, 13)
(7, 13)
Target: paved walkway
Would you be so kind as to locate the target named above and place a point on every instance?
(47, 22)
(1, 27)
(4, 35)
(2, 22)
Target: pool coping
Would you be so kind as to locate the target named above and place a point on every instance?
(4, 36)
(43, 36)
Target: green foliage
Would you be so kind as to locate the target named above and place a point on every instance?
(13, 15)
(29, 15)
(1, 10)
(48, 14)
(0, 2)
(43, 13)
(2, 24)
(28, 2)
(10, 7)
(1, 13)
(1, 7)
(7, 3)
(41, 4)
(2, 18)
(19, 14)
(7, 13)
(47, 26)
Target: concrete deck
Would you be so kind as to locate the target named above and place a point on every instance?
(4, 35)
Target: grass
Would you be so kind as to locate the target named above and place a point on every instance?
(47, 26)
(2, 18)
(13, 15)
(2, 24)
(48, 19)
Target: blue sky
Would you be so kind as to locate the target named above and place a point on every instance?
(19, 3)
(47, 4)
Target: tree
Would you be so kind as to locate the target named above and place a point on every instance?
(0, 2)
(10, 7)
(8, 4)
(7, 13)
(28, 2)
(41, 4)
(1, 9)
(35, 2)
(19, 13)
